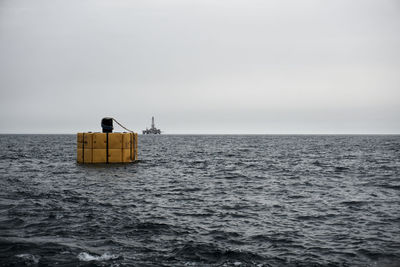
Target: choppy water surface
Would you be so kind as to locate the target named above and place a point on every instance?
(203, 201)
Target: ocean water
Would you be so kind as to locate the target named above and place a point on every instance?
(203, 201)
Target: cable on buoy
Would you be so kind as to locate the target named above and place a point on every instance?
(122, 125)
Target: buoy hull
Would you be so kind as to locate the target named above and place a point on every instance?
(107, 147)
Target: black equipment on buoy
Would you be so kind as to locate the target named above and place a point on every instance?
(107, 125)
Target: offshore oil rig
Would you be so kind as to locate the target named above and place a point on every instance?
(153, 129)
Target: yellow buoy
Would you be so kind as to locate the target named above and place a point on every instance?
(107, 147)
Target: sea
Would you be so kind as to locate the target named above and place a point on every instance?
(203, 200)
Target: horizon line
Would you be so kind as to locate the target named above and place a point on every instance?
(213, 133)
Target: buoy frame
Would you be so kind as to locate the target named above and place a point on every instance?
(107, 147)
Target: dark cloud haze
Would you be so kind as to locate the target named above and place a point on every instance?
(220, 66)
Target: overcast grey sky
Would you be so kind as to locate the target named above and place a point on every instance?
(200, 66)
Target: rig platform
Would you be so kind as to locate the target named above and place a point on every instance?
(153, 129)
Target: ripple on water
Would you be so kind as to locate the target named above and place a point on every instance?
(203, 201)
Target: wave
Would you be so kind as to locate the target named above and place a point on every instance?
(29, 259)
(211, 254)
(84, 256)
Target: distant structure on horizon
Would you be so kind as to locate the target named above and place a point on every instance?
(153, 129)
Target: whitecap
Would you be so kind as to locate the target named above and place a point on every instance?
(29, 258)
(84, 256)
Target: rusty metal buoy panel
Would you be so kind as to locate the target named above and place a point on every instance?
(107, 147)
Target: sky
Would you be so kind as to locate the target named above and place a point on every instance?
(201, 66)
